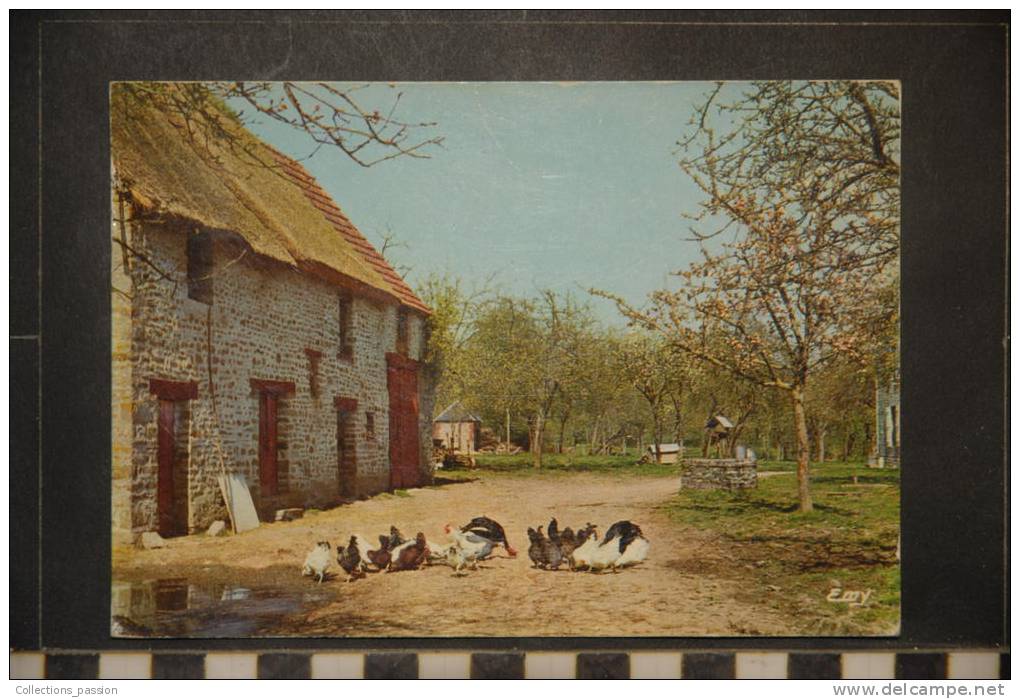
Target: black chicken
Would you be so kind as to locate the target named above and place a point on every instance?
(627, 531)
(349, 559)
(489, 529)
(542, 551)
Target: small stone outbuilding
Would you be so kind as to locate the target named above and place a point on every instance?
(457, 429)
(255, 332)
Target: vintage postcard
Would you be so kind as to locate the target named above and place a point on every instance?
(505, 359)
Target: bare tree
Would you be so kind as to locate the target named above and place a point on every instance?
(799, 227)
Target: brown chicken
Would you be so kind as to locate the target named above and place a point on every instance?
(411, 557)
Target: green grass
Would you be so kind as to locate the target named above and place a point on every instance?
(848, 540)
(559, 464)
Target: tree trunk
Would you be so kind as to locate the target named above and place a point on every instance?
(803, 449)
(536, 441)
(508, 430)
(820, 435)
(658, 439)
(563, 427)
(848, 444)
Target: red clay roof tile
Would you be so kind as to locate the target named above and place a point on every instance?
(336, 217)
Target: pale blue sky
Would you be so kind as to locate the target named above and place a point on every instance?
(541, 185)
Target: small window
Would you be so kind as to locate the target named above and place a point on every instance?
(345, 314)
(200, 267)
(370, 425)
(402, 333)
(314, 356)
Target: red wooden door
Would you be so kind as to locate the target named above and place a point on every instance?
(402, 384)
(268, 476)
(165, 481)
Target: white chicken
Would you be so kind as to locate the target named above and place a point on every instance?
(624, 545)
(466, 548)
(318, 560)
(581, 557)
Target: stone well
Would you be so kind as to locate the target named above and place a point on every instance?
(719, 474)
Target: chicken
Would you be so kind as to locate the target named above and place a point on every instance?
(395, 538)
(585, 543)
(412, 556)
(350, 559)
(623, 545)
(625, 531)
(364, 546)
(456, 558)
(543, 552)
(470, 548)
(567, 542)
(630, 543)
(317, 561)
(490, 529)
(381, 557)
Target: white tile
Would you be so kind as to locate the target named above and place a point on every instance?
(869, 666)
(125, 666)
(28, 666)
(338, 666)
(231, 666)
(655, 666)
(761, 666)
(550, 666)
(444, 666)
(973, 666)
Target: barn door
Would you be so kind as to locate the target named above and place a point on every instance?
(270, 393)
(171, 457)
(269, 476)
(402, 385)
(166, 448)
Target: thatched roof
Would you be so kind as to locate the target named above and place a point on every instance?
(247, 188)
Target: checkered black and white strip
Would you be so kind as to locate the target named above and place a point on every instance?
(559, 665)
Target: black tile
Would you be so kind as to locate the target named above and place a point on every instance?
(814, 666)
(497, 666)
(84, 666)
(285, 666)
(920, 666)
(709, 666)
(178, 666)
(603, 666)
(1004, 666)
(391, 666)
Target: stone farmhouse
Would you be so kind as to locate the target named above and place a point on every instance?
(255, 332)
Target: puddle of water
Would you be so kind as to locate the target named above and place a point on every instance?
(177, 607)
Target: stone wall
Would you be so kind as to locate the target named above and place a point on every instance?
(719, 474)
(266, 322)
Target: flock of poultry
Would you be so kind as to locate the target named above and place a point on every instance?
(623, 545)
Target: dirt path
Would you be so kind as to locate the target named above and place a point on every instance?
(672, 594)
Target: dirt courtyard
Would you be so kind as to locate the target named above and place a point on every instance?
(688, 585)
